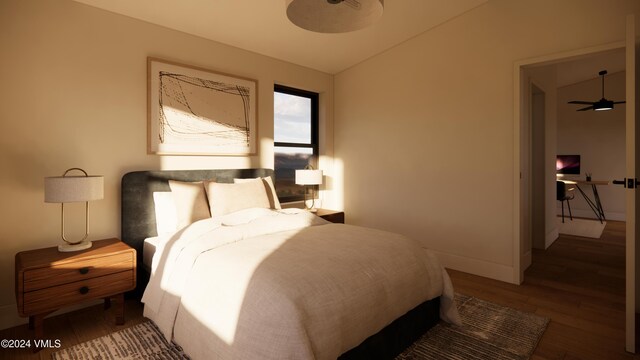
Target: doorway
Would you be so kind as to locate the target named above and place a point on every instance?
(528, 101)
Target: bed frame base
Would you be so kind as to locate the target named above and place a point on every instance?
(397, 336)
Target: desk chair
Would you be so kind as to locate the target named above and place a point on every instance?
(563, 195)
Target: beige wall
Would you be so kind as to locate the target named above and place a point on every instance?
(537, 169)
(545, 77)
(73, 94)
(599, 138)
(424, 133)
(537, 160)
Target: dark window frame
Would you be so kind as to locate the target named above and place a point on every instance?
(315, 119)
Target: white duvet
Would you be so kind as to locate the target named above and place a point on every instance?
(263, 284)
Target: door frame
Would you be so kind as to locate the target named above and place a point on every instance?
(631, 256)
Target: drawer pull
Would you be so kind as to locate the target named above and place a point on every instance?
(84, 270)
(84, 290)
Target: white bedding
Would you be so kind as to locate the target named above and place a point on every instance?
(148, 250)
(264, 284)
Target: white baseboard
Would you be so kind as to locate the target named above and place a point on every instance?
(551, 237)
(476, 267)
(588, 214)
(9, 313)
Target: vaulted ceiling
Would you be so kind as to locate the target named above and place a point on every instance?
(587, 68)
(262, 26)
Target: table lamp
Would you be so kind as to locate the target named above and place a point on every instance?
(309, 177)
(65, 189)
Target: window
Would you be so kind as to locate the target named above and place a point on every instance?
(295, 138)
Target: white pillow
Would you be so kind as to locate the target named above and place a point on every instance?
(191, 202)
(271, 190)
(165, 208)
(227, 198)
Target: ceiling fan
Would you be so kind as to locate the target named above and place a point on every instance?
(600, 105)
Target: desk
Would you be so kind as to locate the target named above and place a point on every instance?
(594, 203)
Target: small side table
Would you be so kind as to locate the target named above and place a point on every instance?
(331, 215)
(48, 280)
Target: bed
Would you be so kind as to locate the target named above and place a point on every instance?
(260, 283)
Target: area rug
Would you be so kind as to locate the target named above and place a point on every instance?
(488, 331)
(142, 341)
(581, 227)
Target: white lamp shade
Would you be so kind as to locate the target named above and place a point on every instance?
(324, 17)
(308, 177)
(66, 189)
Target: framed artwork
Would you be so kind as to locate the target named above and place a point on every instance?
(194, 111)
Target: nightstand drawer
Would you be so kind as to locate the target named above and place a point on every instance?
(83, 269)
(53, 298)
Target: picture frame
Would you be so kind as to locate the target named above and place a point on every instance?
(196, 111)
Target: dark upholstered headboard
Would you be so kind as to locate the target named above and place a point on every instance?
(138, 212)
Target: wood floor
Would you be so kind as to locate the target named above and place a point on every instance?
(577, 282)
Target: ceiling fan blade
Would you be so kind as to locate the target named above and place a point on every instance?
(581, 102)
(586, 108)
(619, 102)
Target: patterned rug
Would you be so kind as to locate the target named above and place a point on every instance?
(142, 341)
(489, 331)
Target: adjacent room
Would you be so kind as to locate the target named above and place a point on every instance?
(319, 179)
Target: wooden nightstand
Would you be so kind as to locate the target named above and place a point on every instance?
(331, 215)
(48, 280)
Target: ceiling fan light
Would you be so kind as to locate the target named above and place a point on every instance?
(334, 17)
(603, 105)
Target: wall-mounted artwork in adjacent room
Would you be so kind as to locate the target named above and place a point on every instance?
(194, 111)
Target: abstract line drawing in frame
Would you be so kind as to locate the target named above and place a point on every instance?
(194, 111)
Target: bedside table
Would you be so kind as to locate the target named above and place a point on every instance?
(48, 280)
(331, 215)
